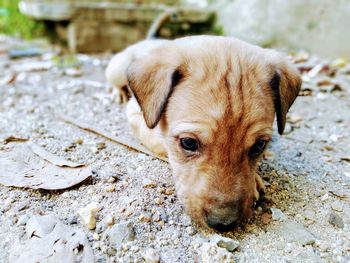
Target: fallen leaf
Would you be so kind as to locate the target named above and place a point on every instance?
(52, 158)
(121, 140)
(21, 167)
(49, 240)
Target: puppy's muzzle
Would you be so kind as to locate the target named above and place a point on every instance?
(224, 217)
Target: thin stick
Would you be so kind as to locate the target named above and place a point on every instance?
(117, 139)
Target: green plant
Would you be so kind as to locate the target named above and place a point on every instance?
(12, 22)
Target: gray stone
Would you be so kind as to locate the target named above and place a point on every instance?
(294, 232)
(335, 220)
(210, 252)
(224, 242)
(51, 241)
(278, 215)
(23, 219)
(151, 256)
(121, 233)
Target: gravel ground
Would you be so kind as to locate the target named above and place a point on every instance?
(303, 217)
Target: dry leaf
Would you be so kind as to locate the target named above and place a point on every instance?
(121, 140)
(51, 241)
(54, 159)
(20, 167)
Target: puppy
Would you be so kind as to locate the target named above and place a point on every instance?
(208, 103)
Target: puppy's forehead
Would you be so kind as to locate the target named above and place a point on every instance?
(223, 87)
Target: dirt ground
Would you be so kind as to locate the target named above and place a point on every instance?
(307, 173)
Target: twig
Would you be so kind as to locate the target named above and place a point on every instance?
(120, 140)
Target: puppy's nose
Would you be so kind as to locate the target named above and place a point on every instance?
(223, 218)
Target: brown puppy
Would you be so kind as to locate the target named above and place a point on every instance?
(209, 104)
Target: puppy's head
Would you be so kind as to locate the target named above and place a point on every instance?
(215, 99)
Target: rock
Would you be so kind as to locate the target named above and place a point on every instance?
(111, 179)
(210, 252)
(51, 241)
(23, 219)
(73, 72)
(266, 218)
(224, 242)
(293, 119)
(335, 220)
(294, 232)
(88, 214)
(151, 256)
(309, 215)
(147, 183)
(191, 231)
(111, 251)
(337, 206)
(100, 145)
(110, 188)
(108, 220)
(72, 219)
(120, 234)
(40, 226)
(96, 236)
(145, 218)
(277, 214)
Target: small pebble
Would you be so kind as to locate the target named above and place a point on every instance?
(335, 220)
(111, 251)
(72, 219)
(277, 214)
(100, 145)
(88, 214)
(23, 219)
(111, 179)
(79, 141)
(151, 256)
(147, 183)
(190, 231)
(108, 220)
(110, 188)
(309, 215)
(158, 201)
(337, 206)
(224, 242)
(96, 236)
(210, 253)
(266, 218)
(145, 218)
(121, 233)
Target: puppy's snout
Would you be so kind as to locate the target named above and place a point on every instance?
(224, 217)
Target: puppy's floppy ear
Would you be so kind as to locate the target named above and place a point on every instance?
(285, 85)
(152, 79)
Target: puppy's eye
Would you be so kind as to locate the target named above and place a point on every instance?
(257, 148)
(189, 144)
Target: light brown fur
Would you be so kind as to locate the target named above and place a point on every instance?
(218, 91)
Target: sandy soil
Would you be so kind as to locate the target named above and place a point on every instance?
(307, 173)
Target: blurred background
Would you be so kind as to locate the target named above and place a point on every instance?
(316, 26)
